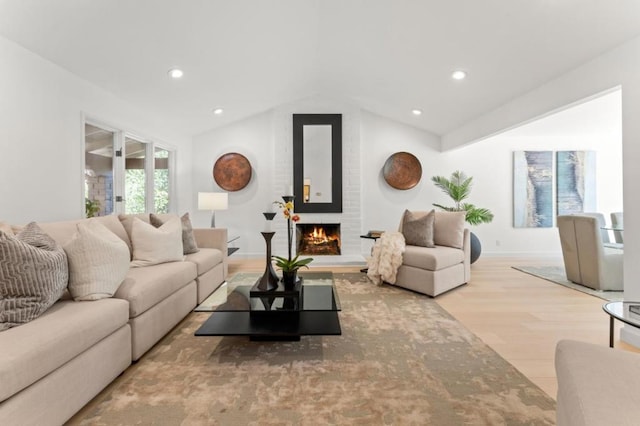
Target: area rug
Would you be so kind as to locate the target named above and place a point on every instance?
(401, 360)
(556, 274)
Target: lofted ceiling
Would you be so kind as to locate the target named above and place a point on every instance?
(388, 57)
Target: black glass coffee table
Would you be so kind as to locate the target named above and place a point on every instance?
(279, 315)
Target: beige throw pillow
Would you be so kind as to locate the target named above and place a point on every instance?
(156, 245)
(98, 261)
(448, 229)
(127, 223)
(33, 275)
(418, 229)
(188, 239)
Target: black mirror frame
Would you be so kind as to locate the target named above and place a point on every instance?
(335, 121)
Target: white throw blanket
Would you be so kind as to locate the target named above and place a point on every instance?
(386, 258)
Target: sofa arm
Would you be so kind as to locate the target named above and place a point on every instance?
(596, 385)
(212, 238)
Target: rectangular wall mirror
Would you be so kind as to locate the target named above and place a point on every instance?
(317, 163)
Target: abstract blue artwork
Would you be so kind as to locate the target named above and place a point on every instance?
(576, 181)
(533, 189)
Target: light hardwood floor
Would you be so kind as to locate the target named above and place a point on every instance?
(520, 316)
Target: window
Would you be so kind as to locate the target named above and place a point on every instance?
(161, 179)
(125, 173)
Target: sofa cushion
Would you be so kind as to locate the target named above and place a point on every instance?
(126, 220)
(152, 245)
(98, 261)
(432, 259)
(448, 229)
(113, 224)
(418, 228)
(146, 287)
(33, 275)
(188, 240)
(205, 259)
(65, 330)
(6, 228)
(63, 231)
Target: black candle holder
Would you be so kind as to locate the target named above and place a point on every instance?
(269, 280)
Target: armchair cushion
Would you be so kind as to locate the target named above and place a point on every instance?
(418, 228)
(432, 259)
(448, 229)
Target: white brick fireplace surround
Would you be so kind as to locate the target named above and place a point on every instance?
(350, 218)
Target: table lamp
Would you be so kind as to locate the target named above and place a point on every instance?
(213, 201)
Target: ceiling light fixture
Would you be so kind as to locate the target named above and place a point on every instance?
(218, 111)
(416, 111)
(176, 73)
(459, 75)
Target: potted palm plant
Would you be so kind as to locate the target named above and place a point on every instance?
(458, 187)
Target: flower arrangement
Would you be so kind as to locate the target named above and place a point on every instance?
(288, 264)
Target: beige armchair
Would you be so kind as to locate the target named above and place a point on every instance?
(446, 265)
(586, 260)
(617, 222)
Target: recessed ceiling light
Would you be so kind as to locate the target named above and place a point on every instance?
(176, 73)
(416, 111)
(218, 111)
(459, 75)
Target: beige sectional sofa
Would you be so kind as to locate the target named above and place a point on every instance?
(52, 366)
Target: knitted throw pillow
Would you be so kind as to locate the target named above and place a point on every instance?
(418, 229)
(33, 275)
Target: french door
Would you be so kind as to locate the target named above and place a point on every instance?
(125, 173)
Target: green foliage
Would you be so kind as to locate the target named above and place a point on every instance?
(161, 193)
(134, 191)
(293, 264)
(458, 187)
(91, 207)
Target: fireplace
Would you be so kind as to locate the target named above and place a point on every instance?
(318, 239)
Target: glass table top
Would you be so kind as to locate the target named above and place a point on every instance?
(318, 293)
(627, 312)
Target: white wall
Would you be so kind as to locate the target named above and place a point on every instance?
(618, 67)
(252, 138)
(590, 126)
(41, 147)
(266, 140)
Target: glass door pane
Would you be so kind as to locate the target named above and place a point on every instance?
(135, 186)
(98, 170)
(161, 180)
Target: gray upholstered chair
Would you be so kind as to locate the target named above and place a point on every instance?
(617, 222)
(586, 259)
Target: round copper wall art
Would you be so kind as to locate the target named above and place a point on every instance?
(402, 170)
(232, 171)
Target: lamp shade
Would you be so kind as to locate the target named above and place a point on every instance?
(213, 200)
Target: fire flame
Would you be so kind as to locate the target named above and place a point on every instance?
(318, 236)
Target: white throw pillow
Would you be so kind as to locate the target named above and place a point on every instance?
(153, 245)
(98, 261)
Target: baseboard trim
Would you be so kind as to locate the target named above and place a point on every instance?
(630, 335)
